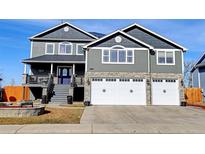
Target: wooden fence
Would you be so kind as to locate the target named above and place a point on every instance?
(193, 96)
(15, 93)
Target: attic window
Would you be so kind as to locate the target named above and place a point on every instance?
(118, 39)
(66, 29)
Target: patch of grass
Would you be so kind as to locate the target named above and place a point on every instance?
(59, 115)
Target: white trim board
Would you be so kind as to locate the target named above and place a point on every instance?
(65, 23)
(137, 25)
(125, 34)
(31, 50)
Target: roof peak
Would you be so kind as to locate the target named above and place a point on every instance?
(59, 25)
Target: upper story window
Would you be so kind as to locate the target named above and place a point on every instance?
(165, 57)
(118, 55)
(65, 48)
(50, 48)
(79, 49)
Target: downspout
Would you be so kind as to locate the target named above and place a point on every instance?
(151, 52)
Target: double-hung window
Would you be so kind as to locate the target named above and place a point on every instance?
(165, 58)
(79, 49)
(50, 48)
(65, 48)
(118, 56)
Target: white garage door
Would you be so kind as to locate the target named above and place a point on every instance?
(165, 92)
(113, 91)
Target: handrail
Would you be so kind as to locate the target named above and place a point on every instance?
(50, 87)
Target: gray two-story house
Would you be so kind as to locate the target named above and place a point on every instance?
(57, 63)
(131, 66)
(134, 66)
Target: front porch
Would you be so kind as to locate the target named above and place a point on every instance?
(66, 74)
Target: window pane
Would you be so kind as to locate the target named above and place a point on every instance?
(161, 57)
(106, 52)
(62, 48)
(113, 55)
(129, 59)
(68, 48)
(169, 57)
(49, 48)
(129, 53)
(105, 58)
(122, 56)
(80, 49)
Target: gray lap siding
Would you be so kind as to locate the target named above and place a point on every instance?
(94, 63)
(38, 47)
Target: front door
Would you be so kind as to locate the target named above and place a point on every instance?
(64, 75)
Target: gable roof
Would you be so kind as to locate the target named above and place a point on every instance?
(63, 24)
(154, 34)
(120, 32)
(201, 58)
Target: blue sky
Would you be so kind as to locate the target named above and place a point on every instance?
(15, 46)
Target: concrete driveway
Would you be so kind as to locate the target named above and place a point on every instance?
(144, 119)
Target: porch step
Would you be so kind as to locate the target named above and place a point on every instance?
(61, 93)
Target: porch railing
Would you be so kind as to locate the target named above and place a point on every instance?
(77, 80)
(37, 79)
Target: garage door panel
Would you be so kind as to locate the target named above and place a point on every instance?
(118, 92)
(165, 92)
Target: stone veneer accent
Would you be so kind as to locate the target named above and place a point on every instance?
(89, 75)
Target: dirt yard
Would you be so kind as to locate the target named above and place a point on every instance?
(53, 115)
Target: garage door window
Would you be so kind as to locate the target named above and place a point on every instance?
(137, 80)
(97, 79)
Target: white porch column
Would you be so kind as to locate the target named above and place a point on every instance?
(73, 69)
(51, 68)
(25, 69)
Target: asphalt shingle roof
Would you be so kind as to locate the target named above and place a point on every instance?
(56, 59)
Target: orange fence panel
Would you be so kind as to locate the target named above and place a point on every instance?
(15, 93)
(193, 96)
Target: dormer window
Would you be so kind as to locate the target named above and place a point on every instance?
(49, 49)
(65, 48)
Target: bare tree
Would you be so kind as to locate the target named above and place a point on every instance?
(188, 65)
(12, 82)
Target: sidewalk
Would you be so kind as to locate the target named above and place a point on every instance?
(100, 129)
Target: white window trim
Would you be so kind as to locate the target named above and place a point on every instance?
(133, 57)
(65, 53)
(166, 50)
(46, 48)
(77, 48)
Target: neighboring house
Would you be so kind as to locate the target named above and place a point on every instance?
(198, 74)
(57, 51)
(1, 91)
(134, 66)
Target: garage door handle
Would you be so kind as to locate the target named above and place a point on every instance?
(164, 91)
